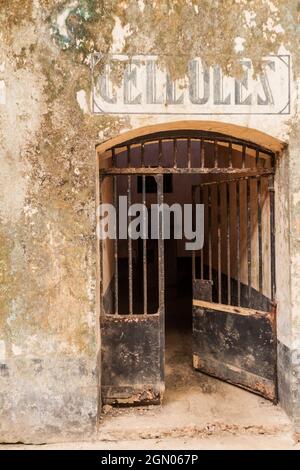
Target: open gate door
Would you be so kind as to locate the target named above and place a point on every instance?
(234, 334)
(131, 322)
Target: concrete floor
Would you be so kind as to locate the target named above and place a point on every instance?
(198, 412)
(195, 405)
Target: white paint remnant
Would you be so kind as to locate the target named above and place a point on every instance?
(62, 17)
(119, 35)
(273, 8)
(239, 44)
(141, 5)
(278, 29)
(2, 351)
(2, 92)
(16, 350)
(82, 101)
(296, 197)
(250, 18)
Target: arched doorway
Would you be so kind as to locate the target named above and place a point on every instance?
(231, 279)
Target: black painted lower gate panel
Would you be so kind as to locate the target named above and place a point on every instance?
(237, 347)
(132, 359)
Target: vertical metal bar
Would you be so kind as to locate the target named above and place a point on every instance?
(256, 158)
(175, 153)
(243, 156)
(116, 290)
(230, 154)
(128, 156)
(238, 260)
(101, 179)
(201, 252)
(193, 252)
(130, 299)
(216, 162)
(228, 245)
(272, 235)
(209, 233)
(144, 248)
(202, 153)
(189, 152)
(259, 230)
(160, 155)
(249, 241)
(219, 245)
(142, 154)
(161, 274)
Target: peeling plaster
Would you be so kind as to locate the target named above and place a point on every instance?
(82, 100)
(2, 352)
(2, 92)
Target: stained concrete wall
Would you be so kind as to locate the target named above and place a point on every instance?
(49, 333)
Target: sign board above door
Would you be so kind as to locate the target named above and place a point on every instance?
(146, 88)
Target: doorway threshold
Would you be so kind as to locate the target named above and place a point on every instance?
(194, 405)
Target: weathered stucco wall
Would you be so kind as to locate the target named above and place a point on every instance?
(48, 325)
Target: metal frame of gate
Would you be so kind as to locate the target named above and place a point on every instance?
(203, 157)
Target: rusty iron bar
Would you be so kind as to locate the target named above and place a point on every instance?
(128, 156)
(209, 232)
(201, 197)
(228, 245)
(249, 241)
(256, 158)
(228, 180)
(238, 242)
(259, 230)
(243, 172)
(272, 236)
(116, 290)
(142, 154)
(161, 277)
(101, 249)
(230, 154)
(160, 154)
(113, 158)
(216, 159)
(194, 189)
(130, 283)
(189, 153)
(202, 153)
(219, 245)
(160, 200)
(145, 287)
(243, 156)
(175, 153)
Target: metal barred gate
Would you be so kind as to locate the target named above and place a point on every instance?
(234, 336)
(234, 321)
(132, 326)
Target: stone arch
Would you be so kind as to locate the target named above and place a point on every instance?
(240, 132)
